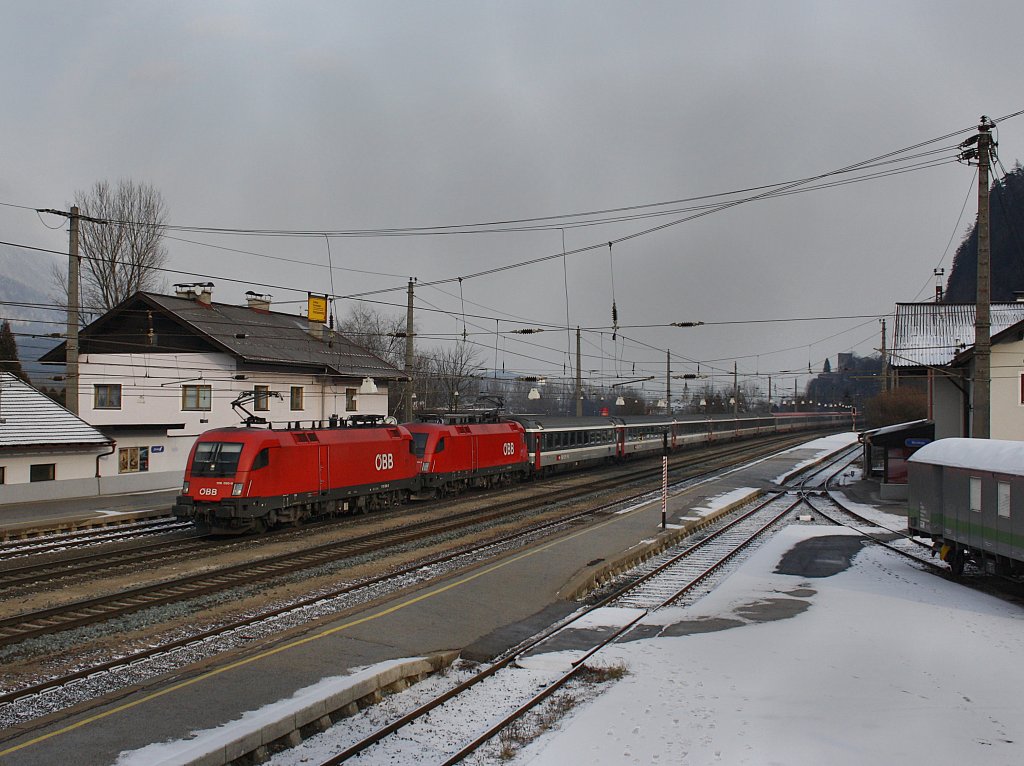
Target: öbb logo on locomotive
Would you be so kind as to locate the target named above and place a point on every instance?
(384, 462)
(508, 449)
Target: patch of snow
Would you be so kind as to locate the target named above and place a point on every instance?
(888, 664)
(825, 446)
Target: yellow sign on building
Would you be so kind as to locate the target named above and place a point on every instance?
(316, 307)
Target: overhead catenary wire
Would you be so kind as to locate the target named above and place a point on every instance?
(563, 253)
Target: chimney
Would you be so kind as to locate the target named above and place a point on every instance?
(200, 292)
(258, 302)
(316, 329)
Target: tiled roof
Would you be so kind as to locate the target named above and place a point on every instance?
(931, 334)
(257, 338)
(275, 338)
(31, 419)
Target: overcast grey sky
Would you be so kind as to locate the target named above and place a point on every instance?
(342, 116)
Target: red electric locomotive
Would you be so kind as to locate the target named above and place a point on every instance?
(250, 479)
(456, 456)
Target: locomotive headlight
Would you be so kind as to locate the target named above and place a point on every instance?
(184, 488)
(236, 490)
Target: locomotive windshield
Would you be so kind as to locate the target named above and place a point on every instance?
(216, 459)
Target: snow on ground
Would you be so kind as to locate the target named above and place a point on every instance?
(878, 663)
(825, 446)
(885, 664)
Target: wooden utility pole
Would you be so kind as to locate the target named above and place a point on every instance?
(409, 387)
(71, 347)
(579, 377)
(981, 410)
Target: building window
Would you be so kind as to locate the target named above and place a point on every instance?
(42, 472)
(262, 401)
(196, 398)
(132, 459)
(296, 398)
(350, 399)
(1003, 488)
(1, 474)
(106, 396)
(976, 494)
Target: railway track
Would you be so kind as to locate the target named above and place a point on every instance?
(65, 541)
(91, 563)
(668, 579)
(14, 703)
(677, 577)
(51, 570)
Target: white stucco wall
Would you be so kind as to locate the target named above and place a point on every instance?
(74, 476)
(151, 392)
(1007, 410)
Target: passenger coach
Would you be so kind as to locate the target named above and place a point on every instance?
(967, 495)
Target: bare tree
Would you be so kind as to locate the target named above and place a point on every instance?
(382, 334)
(124, 253)
(453, 375)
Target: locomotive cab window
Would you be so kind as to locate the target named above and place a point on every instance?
(440, 446)
(216, 459)
(262, 459)
(419, 444)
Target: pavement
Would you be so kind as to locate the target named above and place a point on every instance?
(28, 518)
(479, 614)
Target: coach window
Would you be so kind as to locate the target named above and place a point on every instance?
(1003, 489)
(296, 399)
(106, 396)
(2, 477)
(133, 459)
(262, 401)
(196, 398)
(350, 400)
(1022, 388)
(976, 494)
(42, 472)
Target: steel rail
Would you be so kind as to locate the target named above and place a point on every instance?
(536, 641)
(28, 691)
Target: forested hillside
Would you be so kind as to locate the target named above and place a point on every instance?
(1007, 246)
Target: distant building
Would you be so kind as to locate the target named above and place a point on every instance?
(45, 451)
(158, 370)
(933, 347)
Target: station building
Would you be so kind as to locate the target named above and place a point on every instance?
(158, 370)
